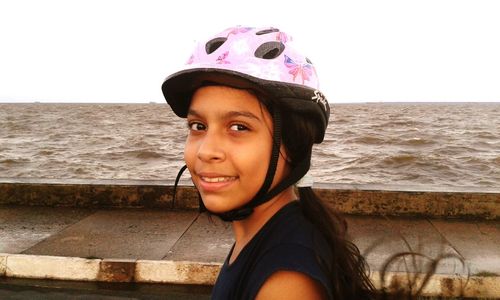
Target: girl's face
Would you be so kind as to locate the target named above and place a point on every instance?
(228, 147)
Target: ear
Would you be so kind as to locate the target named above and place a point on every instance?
(285, 154)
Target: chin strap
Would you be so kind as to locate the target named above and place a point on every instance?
(245, 211)
(179, 174)
(201, 206)
(264, 194)
(242, 213)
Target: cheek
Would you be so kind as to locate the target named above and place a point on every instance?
(253, 158)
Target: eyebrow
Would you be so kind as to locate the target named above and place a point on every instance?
(227, 115)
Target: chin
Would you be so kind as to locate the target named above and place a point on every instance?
(215, 205)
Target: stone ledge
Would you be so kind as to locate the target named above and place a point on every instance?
(178, 272)
(321, 185)
(203, 273)
(447, 204)
(51, 267)
(3, 264)
(390, 200)
(446, 285)
(95, 193)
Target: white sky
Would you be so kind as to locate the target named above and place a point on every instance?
(120, 51)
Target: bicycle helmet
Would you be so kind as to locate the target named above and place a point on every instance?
(261, 59)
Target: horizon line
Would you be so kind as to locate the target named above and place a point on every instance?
(164, 102)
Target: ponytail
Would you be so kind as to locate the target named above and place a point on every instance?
(346, 267)
(347, 270)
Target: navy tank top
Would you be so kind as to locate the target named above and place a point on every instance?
(288, 241)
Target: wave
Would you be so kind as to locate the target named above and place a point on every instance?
(401, 124)
(369, 140)
(142, 154)
(487, 135)
(416, 141)
(45, 152)
(160, 122)
(14, 161)
(400, 160)
(16, 126)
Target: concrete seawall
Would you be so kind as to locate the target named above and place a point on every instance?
(389, 200)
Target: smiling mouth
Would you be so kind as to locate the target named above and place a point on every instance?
(217, 179)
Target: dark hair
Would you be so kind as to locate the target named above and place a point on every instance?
(348, 270)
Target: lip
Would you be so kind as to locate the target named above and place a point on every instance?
(213, 182)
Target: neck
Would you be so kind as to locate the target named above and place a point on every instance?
(245, 230)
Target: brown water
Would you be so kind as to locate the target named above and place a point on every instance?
(418, 144)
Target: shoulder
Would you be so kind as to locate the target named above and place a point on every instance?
(291, 285)
(289, 226)
(294, 234)
(289, 251)
(289, 264)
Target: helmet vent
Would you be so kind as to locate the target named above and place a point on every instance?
(214, 44)
(270, 50)
(266, 31)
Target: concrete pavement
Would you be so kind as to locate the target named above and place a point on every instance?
(131, 231)
(181, 246)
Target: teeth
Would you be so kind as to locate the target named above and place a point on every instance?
(217, 179)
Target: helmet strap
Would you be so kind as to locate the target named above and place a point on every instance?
(247, 210)
(295, 175)
(201, 208)
(264, 194)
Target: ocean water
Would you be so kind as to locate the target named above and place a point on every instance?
(436, 144)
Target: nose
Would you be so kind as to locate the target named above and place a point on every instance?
(211, 148)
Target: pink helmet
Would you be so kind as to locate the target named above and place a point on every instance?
(246, 57)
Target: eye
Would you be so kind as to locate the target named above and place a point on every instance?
(196, 126)
(238, 127)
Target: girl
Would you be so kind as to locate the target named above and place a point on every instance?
(254, 111)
